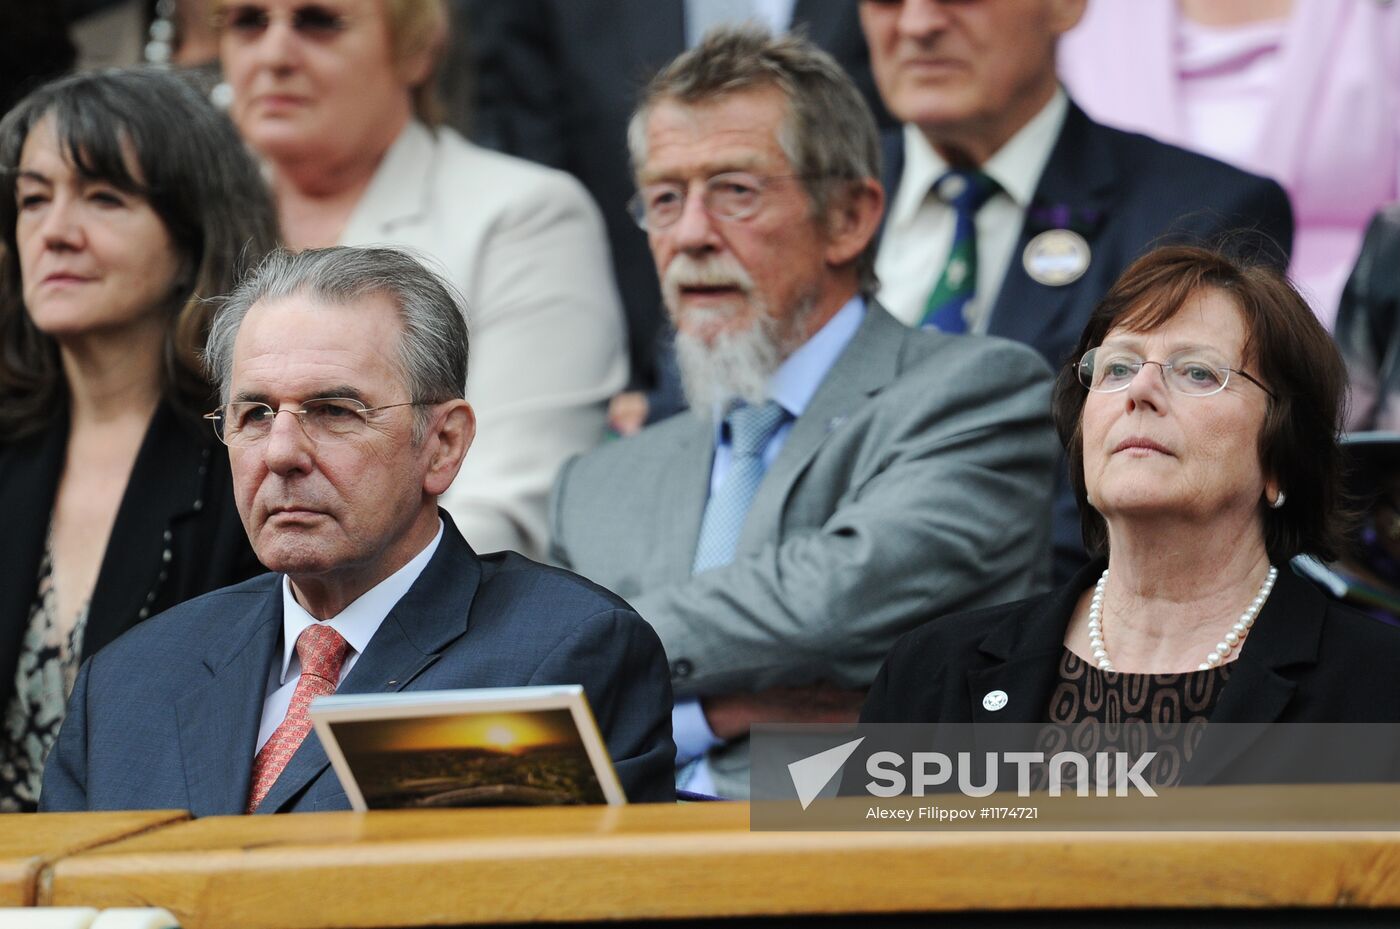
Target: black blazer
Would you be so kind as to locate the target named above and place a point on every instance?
(176, 535)
(1308, 659)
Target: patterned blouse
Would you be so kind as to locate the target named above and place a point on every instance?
(1111, 711)
(48, 667)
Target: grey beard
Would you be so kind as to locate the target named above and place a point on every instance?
(737, 366)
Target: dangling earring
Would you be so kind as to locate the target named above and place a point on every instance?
(1277, 501)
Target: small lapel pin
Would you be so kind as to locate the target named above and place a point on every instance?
(994, 700)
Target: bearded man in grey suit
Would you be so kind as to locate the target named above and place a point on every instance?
(840, 478)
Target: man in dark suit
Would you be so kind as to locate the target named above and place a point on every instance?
(1011, 212)
(205, 707)
(839, 477)
(557, 82)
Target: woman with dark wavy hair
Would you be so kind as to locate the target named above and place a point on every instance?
(128, 202)
(1201, 417)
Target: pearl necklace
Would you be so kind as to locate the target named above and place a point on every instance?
(1222, 650)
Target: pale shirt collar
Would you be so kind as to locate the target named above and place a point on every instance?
(1016, 166)
(359, 621)
(796, 381)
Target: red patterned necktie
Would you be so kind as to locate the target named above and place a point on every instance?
(322, 652)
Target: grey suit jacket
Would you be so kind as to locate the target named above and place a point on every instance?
(917, 481)
(167, 716)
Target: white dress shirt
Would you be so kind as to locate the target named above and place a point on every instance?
(919, 229)
(357, 624)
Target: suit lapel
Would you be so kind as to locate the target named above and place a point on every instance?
(892, 158)
(218, 723)
(29, 473)
(1287, 634)
(1024, 653)
(399, 194)
(868, 364)
(1078, 178)
(686, 472)
(431, 616)
(164, 486)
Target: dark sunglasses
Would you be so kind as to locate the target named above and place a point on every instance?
(312, 21)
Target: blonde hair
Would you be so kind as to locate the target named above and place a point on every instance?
(419, 27)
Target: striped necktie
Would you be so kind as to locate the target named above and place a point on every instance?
(965, 192)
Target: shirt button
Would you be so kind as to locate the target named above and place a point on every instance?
(681, 669)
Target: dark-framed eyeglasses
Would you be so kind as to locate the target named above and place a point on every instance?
(1193, 372)
(731, 196)
(324, 419)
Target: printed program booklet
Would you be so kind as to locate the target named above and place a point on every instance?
(500, 746)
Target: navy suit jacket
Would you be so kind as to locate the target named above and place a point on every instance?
(167, 716)
(1125, 194)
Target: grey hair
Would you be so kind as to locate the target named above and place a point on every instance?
(432, 346)
(829, 134)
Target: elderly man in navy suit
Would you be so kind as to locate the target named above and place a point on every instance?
(205, 707)
(1010, 211)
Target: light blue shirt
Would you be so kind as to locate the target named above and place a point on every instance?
(703, 15)
(792, 386)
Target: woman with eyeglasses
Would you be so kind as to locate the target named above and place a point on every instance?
(1201, 418)
(337, 97)
(128, 203)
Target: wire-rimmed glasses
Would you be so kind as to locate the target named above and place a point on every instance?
(324, 419)
(1194, 372)
(733, 195)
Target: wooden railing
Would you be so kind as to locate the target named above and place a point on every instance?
(458, 867)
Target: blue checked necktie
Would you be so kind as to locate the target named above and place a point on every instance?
(965, 192)
(750, 429)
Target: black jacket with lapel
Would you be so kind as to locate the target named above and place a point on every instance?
(1308, 659)
(177, 533)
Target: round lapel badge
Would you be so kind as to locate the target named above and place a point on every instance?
(994, 700)
(1056, 257)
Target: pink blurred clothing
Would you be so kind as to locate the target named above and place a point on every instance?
(1313, 102)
